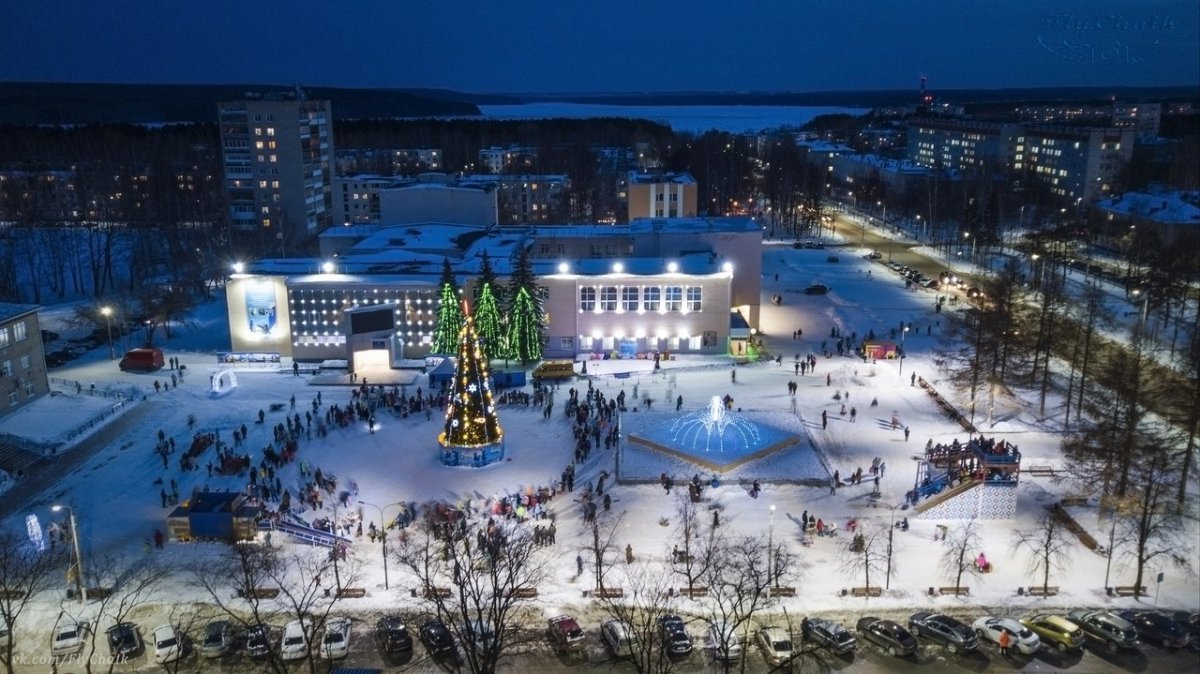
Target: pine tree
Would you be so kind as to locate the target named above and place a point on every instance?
(524, 332)
(471, 420)
(488, 320)
(450, 317)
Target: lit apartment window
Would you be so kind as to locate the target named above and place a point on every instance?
(3, 337)
(19, 333)
(12, 399)
(25, 361)
(587, 299)
(270, 131)
(6, 369)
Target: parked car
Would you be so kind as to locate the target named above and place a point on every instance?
(619, 639)
(832, 258)
(955, 635)
(482, 634)
(436, 638)
(1020, 637)
(1055, 630)
(1190, 621)
(775, 644)
(258, 641)
(888, 635)
(1157, 627)
(829, 634)
(168, 644)
(392, 636)
(873, 255)
(674, 635)
(69, 637)
(817, 289)
(723, 642)
(143, 359)
(565, 634)
(336, 642)
(124, 641)
(294, 643)
(218, 639)
(1106, 628)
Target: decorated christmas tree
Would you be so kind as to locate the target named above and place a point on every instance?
(450, 317)
(471, 421)
(525, 321)
(487, 313)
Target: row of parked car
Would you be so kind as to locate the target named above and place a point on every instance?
(124, 641)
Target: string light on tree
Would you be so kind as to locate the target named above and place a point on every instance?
(472, 434)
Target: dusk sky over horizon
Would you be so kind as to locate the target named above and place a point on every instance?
(515, 46)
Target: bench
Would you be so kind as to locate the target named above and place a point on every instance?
(779, 591)
(605, 593)
(13, 594)
(435, 593)
(523, 593)
(1040, 470)
(959, 591)
(1043, 590)
(1073, 501)
(866, 591)
(259, 593)
(693, 592)
(1127, 591)
(352, 592)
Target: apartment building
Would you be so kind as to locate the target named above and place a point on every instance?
(22, 358)
(660, 195)
(277, 155)
(511, 159)
(388, 162)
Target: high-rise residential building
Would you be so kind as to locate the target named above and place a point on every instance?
(1143, 118)
(511, 159)
(1075, 163)
(278, 158)
(660, 195)
(22, 359)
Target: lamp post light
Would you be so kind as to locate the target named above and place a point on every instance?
(771, 546)
(383, 536)
(887, 581)
(80, 586)
(107, 313)
(1138, 292)
(903, 332)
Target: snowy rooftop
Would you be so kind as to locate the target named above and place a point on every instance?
(1176, 208)
(642, 178)
(826, 147)
(11, 311)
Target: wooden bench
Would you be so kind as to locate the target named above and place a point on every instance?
(693, 592)
(1073, 501)
(352, 592)
(1043, 591)
(779, 591)
(259, 593)
(605, 593)
(1040, 470)
(1128, 590)
(866, 591)
(435, 593)
(959, 591)
(524, 593)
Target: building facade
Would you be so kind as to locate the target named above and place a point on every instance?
(525, 198)
(660, 195)
(511, 159)
(356, 198)
(388, 162)
(278, 160)
(23, 376)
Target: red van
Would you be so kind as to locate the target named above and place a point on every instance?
(147, 359)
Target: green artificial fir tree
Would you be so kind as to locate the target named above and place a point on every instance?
(487, 313)
(524, 334)
(471, 420)
(450, 317)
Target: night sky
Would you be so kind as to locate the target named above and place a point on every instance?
(606, 45)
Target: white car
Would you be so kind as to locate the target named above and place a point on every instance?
(69, 638)
(294, 643)
(775, 644)
(168, 644)
(1020, 637)
(724, 644)
(336, 642)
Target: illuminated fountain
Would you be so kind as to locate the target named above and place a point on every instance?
(714, 437)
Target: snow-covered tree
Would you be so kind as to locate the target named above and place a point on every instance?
(449, 317)
(865, 553)
(961, 544)
(1046, 544)
(24, 572)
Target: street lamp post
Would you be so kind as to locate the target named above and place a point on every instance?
(107, 313)
(383, 537)
(887, 581)
(771, 546)
(80, 586)
(1137, 292)
(902, 334)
